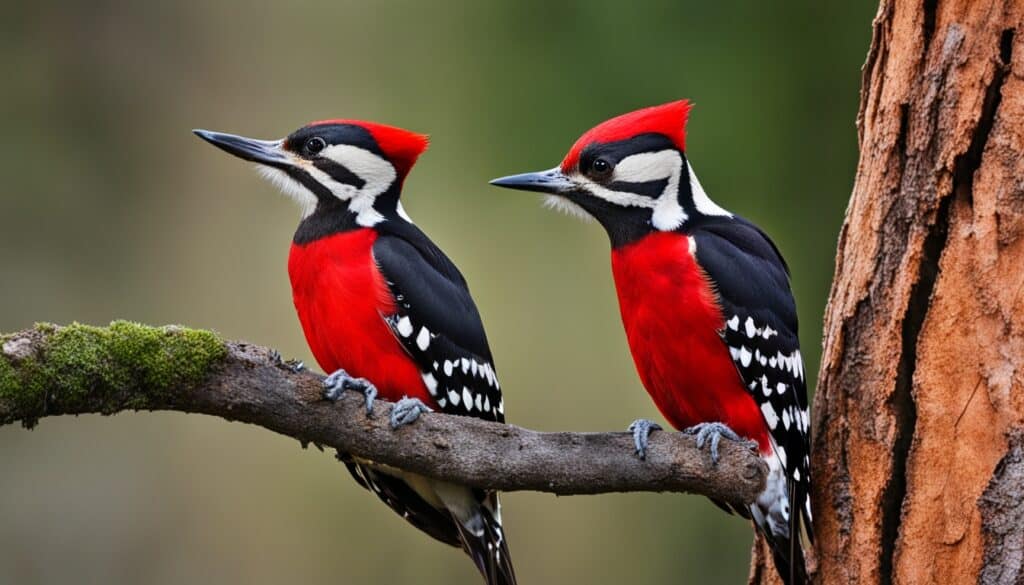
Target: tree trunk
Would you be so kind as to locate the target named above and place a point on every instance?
(918, 437)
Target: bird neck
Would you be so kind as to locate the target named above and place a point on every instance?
(333, 215)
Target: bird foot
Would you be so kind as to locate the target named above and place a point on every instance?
(712, 433)
(337, 383)
(641, 429)
(406, 411)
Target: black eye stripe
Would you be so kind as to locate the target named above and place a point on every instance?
(339, 172)
(652, 189)
(308, 182)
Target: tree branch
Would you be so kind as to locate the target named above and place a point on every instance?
(78, 369)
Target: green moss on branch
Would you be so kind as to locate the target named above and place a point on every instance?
(81, 368)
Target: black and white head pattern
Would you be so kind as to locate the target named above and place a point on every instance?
(341, 162)
(635, 186)
(334, 167)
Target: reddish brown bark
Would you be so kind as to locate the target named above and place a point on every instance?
(918, 456)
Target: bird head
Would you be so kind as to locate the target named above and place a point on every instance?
(329, 165)
(629, 173)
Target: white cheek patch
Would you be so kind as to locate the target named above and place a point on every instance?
(620, 198)
(648, 166)
(656, 166)
(290, 187)
(663, 165)
(376, 171)
(378, 174)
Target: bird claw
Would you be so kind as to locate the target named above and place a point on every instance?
(712, 433)
(337, 383)
(279, 361)
(406, 411)
(641, 429)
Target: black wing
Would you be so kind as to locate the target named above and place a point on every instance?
(760, 331)
(438, 324)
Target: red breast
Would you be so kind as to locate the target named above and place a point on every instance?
(340, 296)
(672, 320)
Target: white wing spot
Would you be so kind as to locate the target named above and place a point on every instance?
(423, 339)
(770, 416)
(751, 329)
(734, 323)
(431, 383)
(454, 397)
(404, 327)
(745, 356)
(780, 388)
(465, 366)
(781, 452)
(479, 402)
(785, 419)
(448, 367)
(467, 398)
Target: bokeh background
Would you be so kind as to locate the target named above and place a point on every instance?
(111, 209)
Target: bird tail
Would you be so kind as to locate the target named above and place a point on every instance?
(779, 513)
(483, 539)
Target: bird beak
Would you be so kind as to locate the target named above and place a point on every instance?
(549, 181)
(266, 152)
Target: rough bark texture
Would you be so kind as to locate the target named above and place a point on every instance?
(79, 369)
(917, 449)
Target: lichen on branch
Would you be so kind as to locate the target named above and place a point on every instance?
(100, 369)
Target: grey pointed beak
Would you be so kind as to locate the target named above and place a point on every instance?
(266, 152)
(549, 181)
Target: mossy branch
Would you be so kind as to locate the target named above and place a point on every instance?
(79, 369)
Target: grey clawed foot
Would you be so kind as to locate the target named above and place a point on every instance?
(712, 433)
(406, 411)
(337, 383)
(641, 429)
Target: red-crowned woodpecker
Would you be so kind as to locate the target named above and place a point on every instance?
(385, 311)
(706, 304)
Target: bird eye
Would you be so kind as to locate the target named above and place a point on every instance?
(315, 145)
(600, 168)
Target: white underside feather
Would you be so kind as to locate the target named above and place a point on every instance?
(290, 187)
(559, 203)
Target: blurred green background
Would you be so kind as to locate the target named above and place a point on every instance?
(112, 209)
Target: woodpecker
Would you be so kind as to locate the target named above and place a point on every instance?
(706, 303)
(385, 311)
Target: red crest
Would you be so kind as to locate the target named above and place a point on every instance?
(667, 119)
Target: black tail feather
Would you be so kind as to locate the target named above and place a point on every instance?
(788, 550)
(489, 550)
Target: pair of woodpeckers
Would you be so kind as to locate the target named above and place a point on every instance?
(704, 296)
